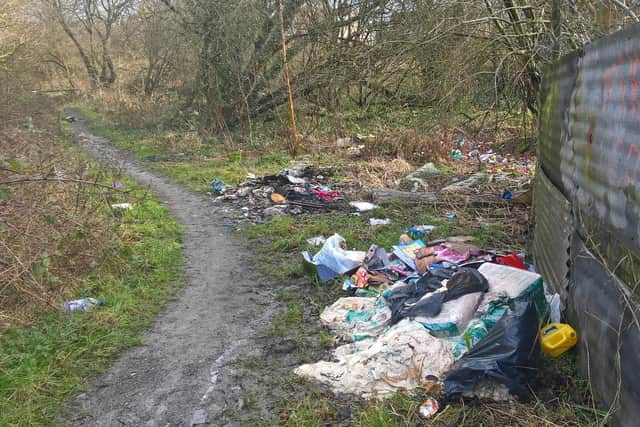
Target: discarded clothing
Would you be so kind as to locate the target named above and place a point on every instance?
(326, 195)
(427, 296)
(406, 356)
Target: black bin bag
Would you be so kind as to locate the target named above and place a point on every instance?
(507, 355)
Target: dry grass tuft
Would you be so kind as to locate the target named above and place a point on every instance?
(379, 173)
(51, 232)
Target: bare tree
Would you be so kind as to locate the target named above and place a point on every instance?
(89, 24)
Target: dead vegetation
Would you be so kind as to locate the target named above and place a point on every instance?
(52, 231)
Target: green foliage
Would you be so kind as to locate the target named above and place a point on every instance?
(42, 364)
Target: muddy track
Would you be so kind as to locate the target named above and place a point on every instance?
(183, 373)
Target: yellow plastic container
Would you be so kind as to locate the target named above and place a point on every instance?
(556, 338)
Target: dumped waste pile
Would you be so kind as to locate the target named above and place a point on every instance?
(300, 189)
(443, 315)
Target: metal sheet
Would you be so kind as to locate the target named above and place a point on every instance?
(590, 142)
(605, 134)
(590, 151)
(609, 337)
(557, 92)
(552, 237)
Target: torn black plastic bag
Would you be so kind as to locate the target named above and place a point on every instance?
(508, 355)
(422, 299)
(466, 281)
(413, 299)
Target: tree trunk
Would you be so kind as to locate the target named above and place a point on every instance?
(91, 70)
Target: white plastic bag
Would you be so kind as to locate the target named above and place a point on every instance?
(454, 316)
(337, 259)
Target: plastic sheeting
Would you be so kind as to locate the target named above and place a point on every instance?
(454, 317)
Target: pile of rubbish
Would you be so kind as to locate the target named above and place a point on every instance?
(300, 189)
(498, 165)
(443, 315)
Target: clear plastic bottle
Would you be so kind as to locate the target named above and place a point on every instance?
(82, 305)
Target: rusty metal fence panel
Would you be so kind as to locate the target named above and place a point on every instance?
(552, 239)
(589, 152)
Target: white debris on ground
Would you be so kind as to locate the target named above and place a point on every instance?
(405, 357)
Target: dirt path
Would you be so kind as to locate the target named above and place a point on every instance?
(183, 374)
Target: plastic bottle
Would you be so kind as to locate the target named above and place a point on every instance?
(82, 305)
(556, 338)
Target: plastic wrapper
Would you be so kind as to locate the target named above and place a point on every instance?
(357, 318)
(337, 259)
(454, 316)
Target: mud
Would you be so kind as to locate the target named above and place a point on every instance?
(185, 372)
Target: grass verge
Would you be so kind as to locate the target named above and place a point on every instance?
(43, 364)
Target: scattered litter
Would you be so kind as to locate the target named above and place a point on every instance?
(406, 252)
(429, 408)
(217, 187)
(278, 198)
(316, 241)
(507, 195)
(452, 216)
(333, 259)
(302, 188)
(557, 338)
(363, 206)
(378, 221)
(82, 305)
(420, 231)
(123, 206)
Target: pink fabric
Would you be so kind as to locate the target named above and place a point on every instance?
(325, 195)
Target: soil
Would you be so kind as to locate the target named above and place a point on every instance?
(186, 370)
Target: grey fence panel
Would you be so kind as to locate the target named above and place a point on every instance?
(589, 152)
(556, 96)
(607, 324)
(552, 239)
(605, 136)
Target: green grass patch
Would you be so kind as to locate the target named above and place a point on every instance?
(43, 364)
(197, 174)
(186, 158)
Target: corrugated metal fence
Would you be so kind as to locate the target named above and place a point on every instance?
(587, 202)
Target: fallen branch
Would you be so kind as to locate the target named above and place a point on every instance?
(61, 180)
